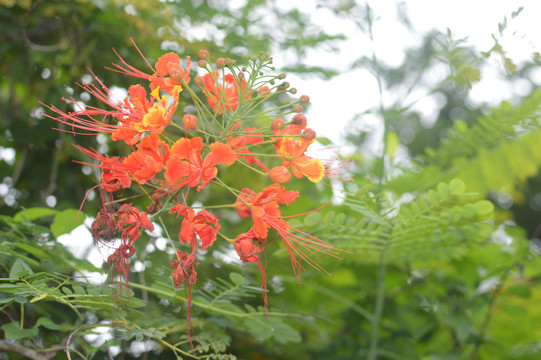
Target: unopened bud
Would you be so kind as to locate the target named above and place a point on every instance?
(305, 99)
(263, 91)
(175, 75)
(297, 108)
(279, 174)
(203, 54)
(199, 80)
(202, 63)
(241, 75)
(299, 119)
(282, 76)
(172, 67)
(277, 124)
(309, 134)
(293, 91)
(220, 63)
(285, 84)
(189, 121)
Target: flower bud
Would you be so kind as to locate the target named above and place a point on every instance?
(189, 121)
(220, 63)
(309, 134)
(279, 174)
(305, 99)
(293, 91)
(264, 92)
(240, 75)
(297, 108)
(282, 76)
(175, 75)
(203, 54)
(172, 67)
(285, 84)
(277, 124)
(299, 119)
(199, 80)
(202, 63)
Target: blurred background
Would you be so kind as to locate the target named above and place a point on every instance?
(390, 83)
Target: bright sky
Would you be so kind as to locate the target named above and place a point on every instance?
(336, 102)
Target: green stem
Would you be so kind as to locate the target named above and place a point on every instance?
(22, 316)
(174, 295)
(378, 310)
(380, 292)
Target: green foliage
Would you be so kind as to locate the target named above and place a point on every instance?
(498, 152)
(441, 224)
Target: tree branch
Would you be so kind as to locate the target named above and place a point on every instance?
(24, 351)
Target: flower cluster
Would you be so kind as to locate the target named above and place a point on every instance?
(175, 156)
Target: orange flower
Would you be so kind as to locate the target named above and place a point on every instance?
(186, 166)
(203, 224)
(241, 143)
(136, 113)
(148, 160)
(294, 149)
(167, 74)
(224, 97)
(169, 64)
(279, 174)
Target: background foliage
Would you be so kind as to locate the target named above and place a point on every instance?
(442, 227)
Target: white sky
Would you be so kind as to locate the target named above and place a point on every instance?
(334, 103)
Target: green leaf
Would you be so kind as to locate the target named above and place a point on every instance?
(483, 207)
(457, 186)
(49, 324)
(19, 268)
(237, 279)
(12, 330)
(66, 221)
(443, 191)
(313, 219)
(32, 214)
(392, 143)
(323, 141)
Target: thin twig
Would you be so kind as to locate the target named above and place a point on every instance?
(29, 42)
(24, 351)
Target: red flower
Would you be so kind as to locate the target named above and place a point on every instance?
(240, 144)
(130, 221)
(244, 201)
(114, 175)
(184, 270)
(248, 247)
(265, 212)
(148, 160)
(121, 259)
(186, 166)
(127, 220)
(203, 224)
(223, 95)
